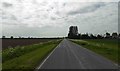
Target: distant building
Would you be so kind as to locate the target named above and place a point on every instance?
(73, 32)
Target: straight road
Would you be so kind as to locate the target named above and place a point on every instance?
(69, 55)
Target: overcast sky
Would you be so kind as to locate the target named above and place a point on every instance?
(50, 18)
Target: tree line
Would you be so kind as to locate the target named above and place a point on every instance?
(20, 37)
(107, 35)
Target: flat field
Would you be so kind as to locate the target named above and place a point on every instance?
(7, 43)
(26, 57)
(108, 48)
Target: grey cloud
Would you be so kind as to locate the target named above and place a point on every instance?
(28, 17)
(12, 26)
(9, 16)
(13, 17)
(64, 4)
(37, 3)
(6, 5)
(57, 12)
(26, 31)
(87, 9)
(5, 23)
(53, 18)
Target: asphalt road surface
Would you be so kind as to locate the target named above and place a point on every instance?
(68, 55)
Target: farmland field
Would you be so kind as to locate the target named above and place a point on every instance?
(6, 43)
(106, 47)
(27, 57)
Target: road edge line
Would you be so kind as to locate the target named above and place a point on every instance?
(47, 58)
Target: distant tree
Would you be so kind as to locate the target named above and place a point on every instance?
(79, 35)
(73, 32)
(99, 36)
(107, 35)
(19, 36)
(92, 36)
(114, 35)
(28, 37)
(85, 36)
(119, 35)
(11, 37)
(3, 36)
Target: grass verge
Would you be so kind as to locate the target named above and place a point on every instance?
(31, 58)
(104, 47)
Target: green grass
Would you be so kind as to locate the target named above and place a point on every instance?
(11, 53)
(0, 60)
(28, 58)
(104, 47)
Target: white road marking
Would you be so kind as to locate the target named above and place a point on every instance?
(81, 64)
(39, 67)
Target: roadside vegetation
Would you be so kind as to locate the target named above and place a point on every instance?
(105, 47)
(27, 57)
